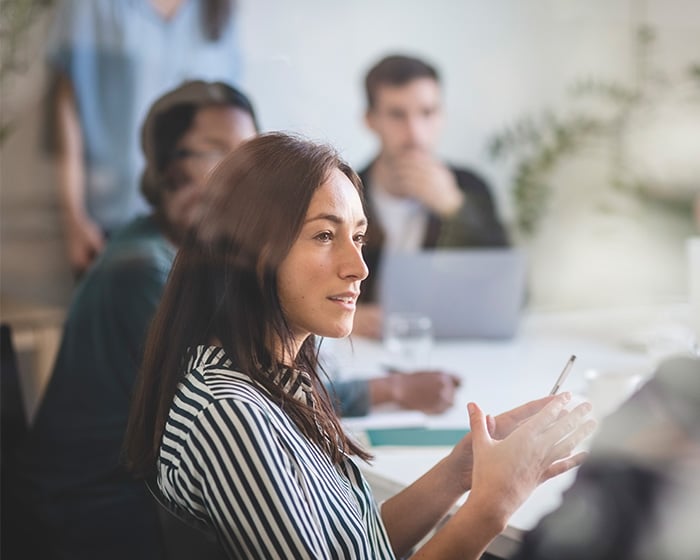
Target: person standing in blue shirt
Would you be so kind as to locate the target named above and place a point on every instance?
(109, 60)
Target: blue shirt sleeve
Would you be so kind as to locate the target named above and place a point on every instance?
(72, 29)
(350, 398)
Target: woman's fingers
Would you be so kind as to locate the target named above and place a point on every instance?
(509, 421)
(560, 467)
(478, 424)
(524, 411)
(549, 414)
(491, 425)
(566, 423)
(540, 448)
(566, 446)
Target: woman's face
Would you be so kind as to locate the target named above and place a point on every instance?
(319, 280)
(215, 131)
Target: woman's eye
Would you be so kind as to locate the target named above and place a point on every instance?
(361, 239)
(324, 236)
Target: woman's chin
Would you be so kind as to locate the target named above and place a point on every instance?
(337, 331)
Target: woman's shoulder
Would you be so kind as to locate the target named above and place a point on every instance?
(213, 395)
(214, 382)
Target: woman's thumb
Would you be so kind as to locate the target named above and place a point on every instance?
(477, 422)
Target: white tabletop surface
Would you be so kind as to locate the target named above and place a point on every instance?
(499, 375)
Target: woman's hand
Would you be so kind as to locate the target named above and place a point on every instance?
(505, 458)
(506, 471)
(499, 427)
(503, 425)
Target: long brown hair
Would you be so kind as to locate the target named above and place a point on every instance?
(223, 286)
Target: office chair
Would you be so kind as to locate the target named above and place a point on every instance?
(14, 428)
(14, 418)
(184, 536)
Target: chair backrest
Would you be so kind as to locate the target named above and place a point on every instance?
(184, 536)
(14, 418)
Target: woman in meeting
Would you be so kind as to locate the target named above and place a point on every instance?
(231, 414)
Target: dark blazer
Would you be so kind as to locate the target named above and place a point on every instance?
(475, 225)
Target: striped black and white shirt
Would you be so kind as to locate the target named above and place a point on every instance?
(233, 458)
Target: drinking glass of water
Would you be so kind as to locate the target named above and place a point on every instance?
(408, 338)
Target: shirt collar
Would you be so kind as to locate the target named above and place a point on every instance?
(296, 383)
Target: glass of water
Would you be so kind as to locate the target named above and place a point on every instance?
(408, 338)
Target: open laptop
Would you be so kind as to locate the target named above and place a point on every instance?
(468, 293)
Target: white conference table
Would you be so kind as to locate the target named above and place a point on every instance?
(499, 375)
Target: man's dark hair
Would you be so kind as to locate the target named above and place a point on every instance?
(396, 70)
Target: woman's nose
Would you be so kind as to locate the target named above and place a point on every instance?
(353, 265)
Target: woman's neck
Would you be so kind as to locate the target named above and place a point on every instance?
(287, 354)
(282, 358)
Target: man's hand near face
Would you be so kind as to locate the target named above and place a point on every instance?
(421, 176)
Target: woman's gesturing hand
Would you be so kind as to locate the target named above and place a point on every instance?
(507, 470)
(499, 427)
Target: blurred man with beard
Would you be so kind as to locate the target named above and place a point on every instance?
(415, 200)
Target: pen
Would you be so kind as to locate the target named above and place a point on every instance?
(389, 368)
(562, 375)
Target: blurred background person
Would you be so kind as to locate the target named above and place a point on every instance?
(637, 495)
(79, 497)
(109, 60)
(415, 200)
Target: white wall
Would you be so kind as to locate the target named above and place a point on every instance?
(306, 59)
(499, 60)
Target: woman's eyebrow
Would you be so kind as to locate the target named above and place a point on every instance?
(335, 219)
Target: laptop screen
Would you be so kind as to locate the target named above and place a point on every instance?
(467, 293)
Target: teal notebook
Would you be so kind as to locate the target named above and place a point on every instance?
(416, 436)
